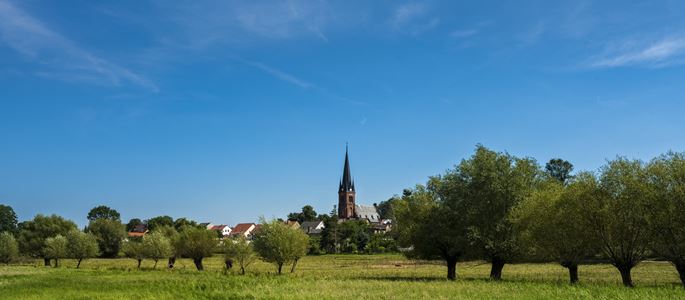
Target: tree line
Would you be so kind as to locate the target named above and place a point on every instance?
(54, 238)
(503, 209)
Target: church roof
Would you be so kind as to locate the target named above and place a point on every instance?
(367, 212)
(346, 183)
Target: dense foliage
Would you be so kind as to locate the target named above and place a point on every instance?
(280, 244)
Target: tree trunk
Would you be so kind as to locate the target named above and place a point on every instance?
(242, 270)
(139, 261)
(292, 270)
(79, 263)
(496, 270)
(228, 263)
(681, 271)
(625, 276)
(198, 263)
(280, 266)
(46, 261)
(155, 266)
(172, 261)
(452, 268)
(56, 262)
(573, 272)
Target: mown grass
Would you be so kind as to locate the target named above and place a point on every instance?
(328, 277)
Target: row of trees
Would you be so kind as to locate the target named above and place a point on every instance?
(502, 208)
(53, 238)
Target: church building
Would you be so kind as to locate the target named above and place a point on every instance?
(348, 209)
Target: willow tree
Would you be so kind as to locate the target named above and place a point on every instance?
(430, 227)
(489, 185)
(617, 214)
(549, 222)
(667, 210)
(280, 244)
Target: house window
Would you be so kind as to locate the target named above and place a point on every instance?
(351, 198)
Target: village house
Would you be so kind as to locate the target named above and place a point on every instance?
(138, 231)
(312, 227)
(224, 229)
(243, 229)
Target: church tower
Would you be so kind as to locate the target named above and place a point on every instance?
(346, 194)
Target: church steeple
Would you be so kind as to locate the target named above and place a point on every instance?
(346, 183)
(346, 192)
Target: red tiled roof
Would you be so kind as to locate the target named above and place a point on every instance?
(217, 227)
(242, 227)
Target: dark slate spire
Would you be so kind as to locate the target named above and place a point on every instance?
(346, 184)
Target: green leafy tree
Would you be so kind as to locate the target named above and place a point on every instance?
(196, 243)
(618, 214)
(156, 246)
(134, 249)
(8, 219)
(32, 234)
(385, 208)
(132, 224)
(56, 248)
(9, 248)
(183, 222)
(280, 244)
(329, 235)
(559, 169)
(81, 246)
(155, 222)
(354, 235)
(666, 175)
(240, 251)
(307, 214)
(550, 226)
(484, 189)
(173, 236)
(109, 234)
(103, 212)
(425, 223)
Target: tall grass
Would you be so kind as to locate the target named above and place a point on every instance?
(329, 277)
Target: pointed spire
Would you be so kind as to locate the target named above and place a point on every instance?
(346, 183)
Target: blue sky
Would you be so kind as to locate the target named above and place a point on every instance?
(224, 111)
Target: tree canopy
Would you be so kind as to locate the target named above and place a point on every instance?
(32, 234)
(307, 214)
(159, 221)
(109, 234)
(8, 219)
(559, 169)
(103, 212)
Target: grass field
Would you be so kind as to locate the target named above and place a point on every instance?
(328, 277)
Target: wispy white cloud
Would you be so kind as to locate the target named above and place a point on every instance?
(412, 18)
(662, 53)
(57, 56)
(281, 75)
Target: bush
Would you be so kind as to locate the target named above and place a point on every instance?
(9, 248)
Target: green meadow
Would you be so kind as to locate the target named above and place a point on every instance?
(330, 277)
